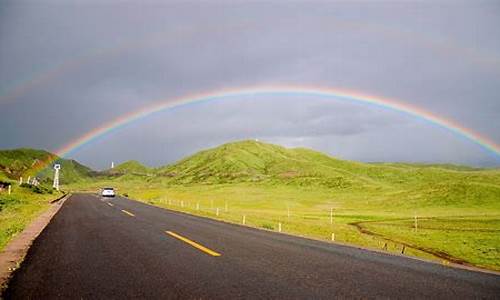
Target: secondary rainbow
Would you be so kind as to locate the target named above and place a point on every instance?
(260, 91)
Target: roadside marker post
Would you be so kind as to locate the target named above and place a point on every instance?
(244, 220)
(20, 180)
(10, 189)
(217, 211)
(279, 227)
(333, 237)
(416, 223)
(198, 206)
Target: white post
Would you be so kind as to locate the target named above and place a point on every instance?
(57, 167)
(10, 189)
(333, 237)
(20, 180)
(217, 211)
(244, 220)
(198, 206)
(279, 227)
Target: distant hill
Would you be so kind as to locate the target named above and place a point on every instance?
(252, 161)
(32, 162)
(130, 167)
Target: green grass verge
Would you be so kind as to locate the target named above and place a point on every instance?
(20, 208)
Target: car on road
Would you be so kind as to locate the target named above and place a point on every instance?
(108, 192)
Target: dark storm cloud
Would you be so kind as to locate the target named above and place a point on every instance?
(69, 67)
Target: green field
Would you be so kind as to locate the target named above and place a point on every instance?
(457, 208)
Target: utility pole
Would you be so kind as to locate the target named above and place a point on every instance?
(57, 167)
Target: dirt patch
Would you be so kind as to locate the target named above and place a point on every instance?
(436, 253)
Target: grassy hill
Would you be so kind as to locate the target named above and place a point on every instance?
(130, 167)
(251, 161)
(32, 162)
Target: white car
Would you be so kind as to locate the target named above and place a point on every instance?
(108, 192)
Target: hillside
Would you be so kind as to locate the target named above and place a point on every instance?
(256, 161)
(30, 162)
(130, 167)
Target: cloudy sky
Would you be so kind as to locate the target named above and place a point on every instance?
(67, 67)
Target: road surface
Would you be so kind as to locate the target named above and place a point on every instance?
(119, 248)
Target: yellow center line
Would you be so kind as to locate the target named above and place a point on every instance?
(110, 204)
(128, 213)
(194, 244)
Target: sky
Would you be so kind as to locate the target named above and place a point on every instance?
(67, 67)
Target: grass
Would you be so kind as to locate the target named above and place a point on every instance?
(20, 208)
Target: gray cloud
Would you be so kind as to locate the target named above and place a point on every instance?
(84, 63)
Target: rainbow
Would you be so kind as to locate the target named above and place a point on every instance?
(313, 92)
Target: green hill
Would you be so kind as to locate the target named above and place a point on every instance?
(32, 162)
(130, 167)
(257, 161)
(415, 184)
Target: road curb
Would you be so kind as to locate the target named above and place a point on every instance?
(15, 251)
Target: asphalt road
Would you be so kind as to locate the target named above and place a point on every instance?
(95, 250)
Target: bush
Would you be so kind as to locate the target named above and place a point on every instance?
(8, 200)
(39, 189)
(268, 226)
